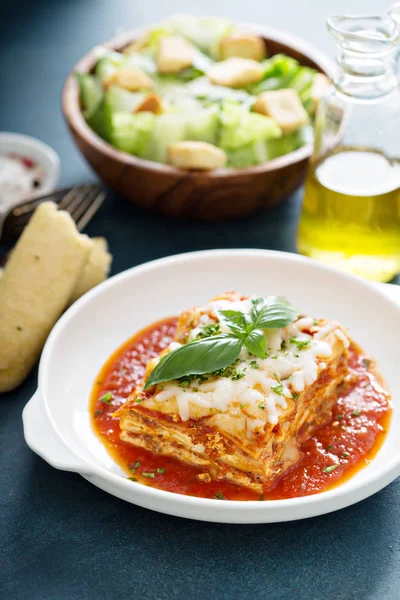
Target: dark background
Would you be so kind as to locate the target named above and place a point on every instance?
(60, 537)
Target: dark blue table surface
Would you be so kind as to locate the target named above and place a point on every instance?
(60, 537)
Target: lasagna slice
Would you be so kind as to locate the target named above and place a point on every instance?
(245, 423)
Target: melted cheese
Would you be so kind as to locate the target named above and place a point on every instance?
(264, 387)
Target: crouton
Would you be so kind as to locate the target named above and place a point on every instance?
(243, 45)
(285, 107)
(196, 155)
(132, 79)
(235, 72)
(174, 54)
(150, 103)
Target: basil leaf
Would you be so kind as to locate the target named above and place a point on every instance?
(272, 312)
(235, 320)
(255, 343)
(196, 358)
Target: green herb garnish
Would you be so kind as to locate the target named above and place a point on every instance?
(278, 389)
(345, 455)
(160, 470)
(219, 351)
(355, 413)
(149, 475)
(339, 417)
(237, 375)
(300, 343)
(133, 466)
(329, 469)
(262, 406)
(106, 398)
(208, 331)
(366, 362)
(254, 364)
(132, 478)
(219, 496)
(329, 447)
(261, 497)
(139, 400)
(295, 395)
(97, 413)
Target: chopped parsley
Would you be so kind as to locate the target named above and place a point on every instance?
(219, 496)
(97, 413)
(366, 362)
(345, 455)
(133, 466)
(208, 330)
(355, 413)
(241, 406)
(283, 345)
(237, 375)
(262, 406)
(300, 343)
(184, 383)
(315, 322)
(295, 395)
(132, 478)
(329, 447)
(149, 475)
(278, 389)
(160, 470)
(340, 417)
(139, 400)
(106, 398)
(254, 364)
(229, 372)
(329, 469)
(261, 497)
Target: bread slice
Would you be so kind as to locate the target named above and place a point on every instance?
(37, 283)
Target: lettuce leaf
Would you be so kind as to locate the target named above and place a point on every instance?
(131, 133)
(240, 127)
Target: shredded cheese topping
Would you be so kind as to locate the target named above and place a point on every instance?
(259, 389)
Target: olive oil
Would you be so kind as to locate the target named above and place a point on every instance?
(351, 213)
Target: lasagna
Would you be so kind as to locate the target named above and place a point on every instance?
(243, 423)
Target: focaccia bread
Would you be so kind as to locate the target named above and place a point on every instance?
(36, 284)
(96, 269)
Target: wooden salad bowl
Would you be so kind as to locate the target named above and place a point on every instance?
(214, 195)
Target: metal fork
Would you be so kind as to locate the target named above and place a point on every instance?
(81, 202)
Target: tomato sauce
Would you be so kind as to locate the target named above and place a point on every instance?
(335, 452)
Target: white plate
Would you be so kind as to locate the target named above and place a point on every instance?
(56, 420)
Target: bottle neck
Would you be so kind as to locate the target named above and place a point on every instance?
(365, 76)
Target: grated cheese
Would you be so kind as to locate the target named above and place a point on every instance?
(262, 394)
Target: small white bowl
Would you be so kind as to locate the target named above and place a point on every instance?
(56, 420)
(38, 152)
